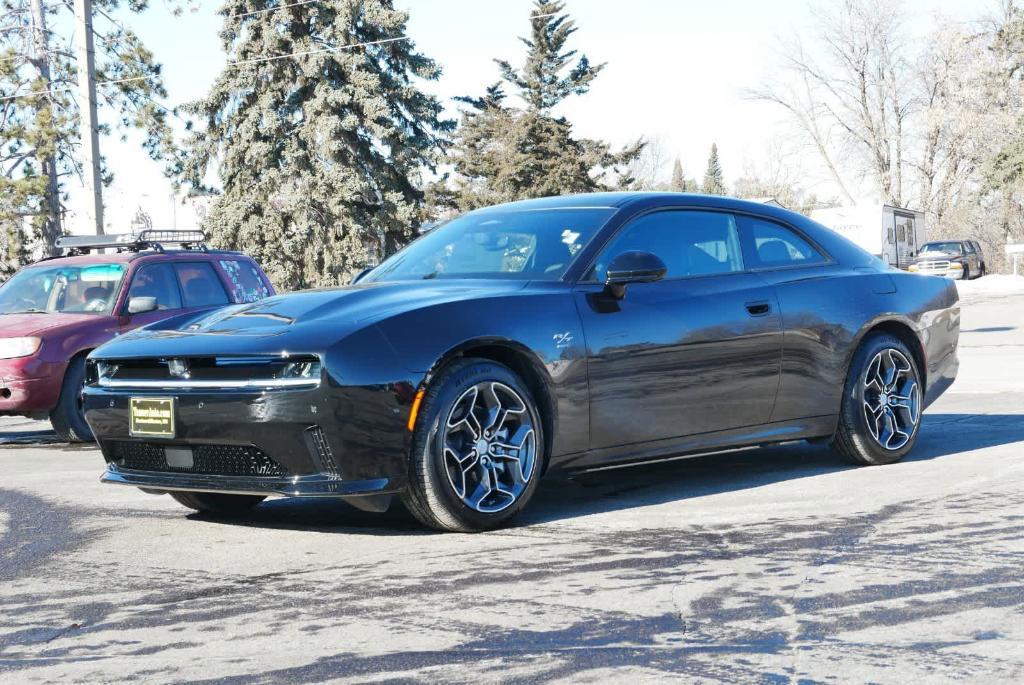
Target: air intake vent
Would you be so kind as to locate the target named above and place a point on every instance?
(214, 460)
(320, 449)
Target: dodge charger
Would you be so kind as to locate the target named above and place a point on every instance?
(567, 333)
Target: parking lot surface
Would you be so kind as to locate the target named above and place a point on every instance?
(770, 565)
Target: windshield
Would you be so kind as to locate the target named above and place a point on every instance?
(536, 244)
(55, 289)
(945, 248)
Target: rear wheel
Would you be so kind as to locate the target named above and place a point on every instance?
(68, 417)
(477, 451)
(881, 409)
(966, 274)
(217, 503)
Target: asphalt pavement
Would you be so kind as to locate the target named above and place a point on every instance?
(775, 565)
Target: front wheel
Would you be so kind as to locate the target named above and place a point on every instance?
(68, 417)
(881, 409)
(217, 503)
(477, 450)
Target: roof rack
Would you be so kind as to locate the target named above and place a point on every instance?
(149, 239)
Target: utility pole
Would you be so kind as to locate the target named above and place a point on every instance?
(87, 105)
(51, 228)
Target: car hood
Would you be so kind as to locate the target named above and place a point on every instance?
(306, 321)
(20, 325)
(935, 254)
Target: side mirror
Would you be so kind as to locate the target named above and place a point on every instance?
(141, 305)
(633, 267)
(359, 276)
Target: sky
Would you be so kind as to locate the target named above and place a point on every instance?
(677, 70)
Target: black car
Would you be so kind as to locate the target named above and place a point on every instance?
(571, 332)
(962, 259)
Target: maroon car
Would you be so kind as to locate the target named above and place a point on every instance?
(53, 313)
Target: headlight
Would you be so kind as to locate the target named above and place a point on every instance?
(956, 265)
(11, 348)
(301, 369)
(912, 267)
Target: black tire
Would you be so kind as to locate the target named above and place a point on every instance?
(430, 495)
(68, 417)
(854, 440)
(218, 503)
(967, 273)
(982, 270)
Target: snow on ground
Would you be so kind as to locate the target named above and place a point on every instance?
(992, 284)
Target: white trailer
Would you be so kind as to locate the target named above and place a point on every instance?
(893, 234)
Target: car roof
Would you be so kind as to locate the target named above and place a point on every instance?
(622, 200)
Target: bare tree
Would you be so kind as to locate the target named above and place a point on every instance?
(856, 96)
(649, 170)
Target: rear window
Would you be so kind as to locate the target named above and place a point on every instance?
(246, 283)
(771, 245)
(200, 285)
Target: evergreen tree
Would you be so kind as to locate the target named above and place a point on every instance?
(679, 184)
(505, 153)
(319, 133)
(39, 132)
(714, 182)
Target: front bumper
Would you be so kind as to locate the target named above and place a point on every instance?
(29, 385)
(316, 485)
(946, 272)
(323, 442)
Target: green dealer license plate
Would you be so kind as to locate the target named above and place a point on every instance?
(151, 417)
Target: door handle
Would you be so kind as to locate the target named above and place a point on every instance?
(758, 308)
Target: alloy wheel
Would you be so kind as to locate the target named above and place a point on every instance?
(892, 399)
(490, 447)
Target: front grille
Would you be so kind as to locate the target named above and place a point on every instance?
(933, 266)
(211, 373)
(214, 460)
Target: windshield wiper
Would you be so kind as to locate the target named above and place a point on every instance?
(29, 311)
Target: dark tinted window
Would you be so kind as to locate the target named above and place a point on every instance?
(690, 243)
(246, 283)
(159, 281)
(970, 247)
(200, 285)
(769, 244)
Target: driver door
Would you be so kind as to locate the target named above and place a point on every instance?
(696, 352)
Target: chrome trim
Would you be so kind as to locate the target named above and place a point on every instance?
(187, 384)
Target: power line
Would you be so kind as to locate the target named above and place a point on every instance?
(271, 9)
(54, 91)
(316, 52)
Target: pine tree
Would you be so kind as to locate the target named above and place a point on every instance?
(714, 182)
(505, 153)
(39, 132)
(678, 184)
(319, 152)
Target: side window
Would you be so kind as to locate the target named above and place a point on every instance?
(200, 285)
(159, 281)
(892, 236)
(768, 244)
(690, 243)
(246, 283)
(969, 245)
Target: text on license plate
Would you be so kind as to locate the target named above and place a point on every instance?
(151, 417)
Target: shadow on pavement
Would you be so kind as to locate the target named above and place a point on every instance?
(564, 497)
